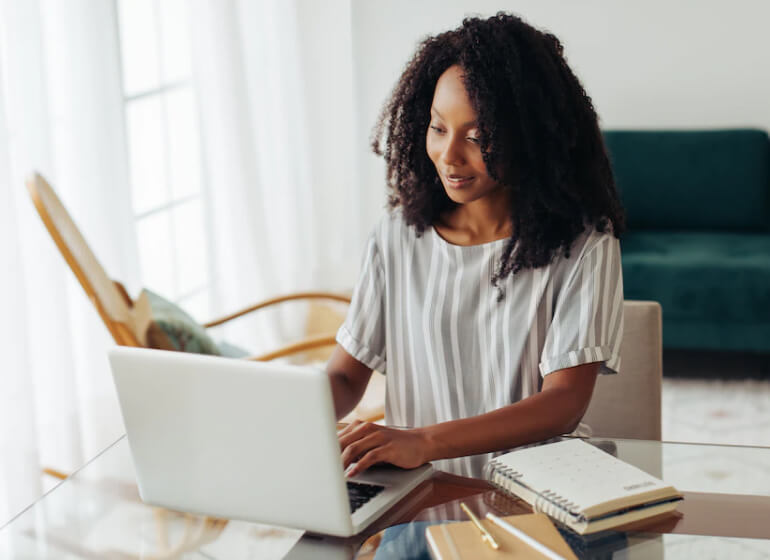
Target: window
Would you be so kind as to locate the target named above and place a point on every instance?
(163, 142)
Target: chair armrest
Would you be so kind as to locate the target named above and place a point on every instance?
(280, 299)
(55, 473)
(296, 347)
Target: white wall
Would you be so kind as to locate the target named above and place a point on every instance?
(651, 64)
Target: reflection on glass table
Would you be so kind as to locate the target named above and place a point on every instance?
(408, 541)
(97, 513)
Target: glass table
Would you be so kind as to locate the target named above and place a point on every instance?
(97, 513)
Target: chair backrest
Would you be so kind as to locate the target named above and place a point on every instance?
(111, 301)
(628, 405)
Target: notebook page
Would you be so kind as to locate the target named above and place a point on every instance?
(579, 472)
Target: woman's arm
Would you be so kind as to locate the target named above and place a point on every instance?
(348, 378)
(555, 410)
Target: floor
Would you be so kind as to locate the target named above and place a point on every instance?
(723, 399)
(716, 411)
(716, 398)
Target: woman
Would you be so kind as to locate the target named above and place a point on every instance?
(491, 293)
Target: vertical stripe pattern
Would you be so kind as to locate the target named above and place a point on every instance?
(425, 313)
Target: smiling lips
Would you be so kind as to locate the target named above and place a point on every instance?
(457, 181)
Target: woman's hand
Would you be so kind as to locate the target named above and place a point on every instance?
(370, 443)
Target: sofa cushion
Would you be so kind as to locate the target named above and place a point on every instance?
(686, 180)
(699, 276)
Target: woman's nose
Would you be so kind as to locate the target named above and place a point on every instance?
(452, 154)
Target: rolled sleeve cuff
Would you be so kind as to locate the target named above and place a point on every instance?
(360, 351)
(610, 362)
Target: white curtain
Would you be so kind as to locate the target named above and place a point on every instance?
(60, 114)
(274, 80)
(276, 111)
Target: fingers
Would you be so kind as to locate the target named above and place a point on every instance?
(366, 443)
(345, 431)
(355, 431)
(345, 428)
(358, 448)
(372, 457)
(348, 428)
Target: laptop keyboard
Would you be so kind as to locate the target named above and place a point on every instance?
(359, 494)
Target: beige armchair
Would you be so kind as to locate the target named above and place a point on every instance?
(628, 405)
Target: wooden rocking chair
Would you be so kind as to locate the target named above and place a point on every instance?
(127, 319)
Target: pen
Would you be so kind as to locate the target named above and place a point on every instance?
(485, 536)
(541, 548)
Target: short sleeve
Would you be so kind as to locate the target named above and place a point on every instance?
(362, 335)
(587, 323)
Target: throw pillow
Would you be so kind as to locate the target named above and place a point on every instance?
(172, 328)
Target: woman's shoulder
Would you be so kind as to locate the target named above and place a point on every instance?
(589, 242)
(592, 239)
(391, 227)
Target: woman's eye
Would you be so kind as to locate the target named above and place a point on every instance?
(473, 139)
(437, 129)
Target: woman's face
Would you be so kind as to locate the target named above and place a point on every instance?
(452, 141)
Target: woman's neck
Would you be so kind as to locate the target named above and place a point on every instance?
(481, 221)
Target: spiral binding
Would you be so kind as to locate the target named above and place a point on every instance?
(499, 475)
(547, 501)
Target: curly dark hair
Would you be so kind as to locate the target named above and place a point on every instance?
(539, 135)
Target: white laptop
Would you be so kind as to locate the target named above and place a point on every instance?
(236, 439)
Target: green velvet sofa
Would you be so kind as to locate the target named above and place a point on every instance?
(698, 237)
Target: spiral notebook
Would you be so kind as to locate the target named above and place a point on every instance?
(581, 486)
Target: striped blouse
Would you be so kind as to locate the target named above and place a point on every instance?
(425, 313)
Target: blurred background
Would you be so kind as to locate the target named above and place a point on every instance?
(217, 153)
